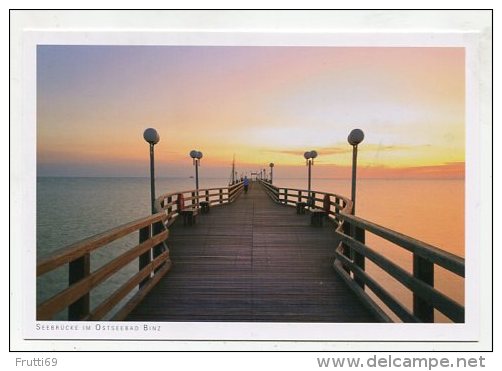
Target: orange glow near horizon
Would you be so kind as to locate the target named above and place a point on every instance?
(263, 104)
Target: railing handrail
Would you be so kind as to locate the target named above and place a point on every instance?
(432, 253)
(352, 251)
(219, 196)
(74, 292)
(81, 280)
(171, 194)
(78, 249)
(445, 259)
(334, 195)
(441, 302)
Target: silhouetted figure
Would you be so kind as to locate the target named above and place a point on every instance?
(246, 184)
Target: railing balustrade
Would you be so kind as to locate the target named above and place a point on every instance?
(351, 254)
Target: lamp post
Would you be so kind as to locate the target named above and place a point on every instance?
(152, 137)
(271, 172)
(310, 156)
(196, 156)
(355, 137)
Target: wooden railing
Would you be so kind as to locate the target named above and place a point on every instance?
(291, 196)
(170, 202)
(352, 252)
(151, 252)
(153, 258)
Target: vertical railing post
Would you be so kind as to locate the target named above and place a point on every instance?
(207, 195)
(193, 198)
(337, 208)
(157, 250)
(221, 195)
(345, 247)
(169, 201)
(285, 196)
(300, 196)
(145, 258)
(359, 235)
(79, 269)
(424, 271)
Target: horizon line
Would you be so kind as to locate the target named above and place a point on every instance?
(188, 177)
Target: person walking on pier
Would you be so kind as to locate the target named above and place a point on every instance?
(246, 184)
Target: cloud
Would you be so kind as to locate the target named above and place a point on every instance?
(298, 152)
(371, 147)
(345, 148)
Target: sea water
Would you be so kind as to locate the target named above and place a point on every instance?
(70, 209)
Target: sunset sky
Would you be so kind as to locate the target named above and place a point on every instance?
(263, 104)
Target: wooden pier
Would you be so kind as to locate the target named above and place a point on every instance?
(251, 258)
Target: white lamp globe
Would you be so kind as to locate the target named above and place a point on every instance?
(151, 136)
(355, 137)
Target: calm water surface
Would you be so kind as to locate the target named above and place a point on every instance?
(70, 209)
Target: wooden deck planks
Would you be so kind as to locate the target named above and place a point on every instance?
(252, 260)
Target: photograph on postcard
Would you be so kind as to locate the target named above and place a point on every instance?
(274, 189)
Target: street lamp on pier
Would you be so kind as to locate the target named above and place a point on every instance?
(271, 172)
(196, 157)
(355, 137)
(152, 137)
(310, 156)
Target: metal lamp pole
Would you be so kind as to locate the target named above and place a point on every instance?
(355, 137)
(196, 157)
(152, 137)
(310, 156)
(271, 172)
